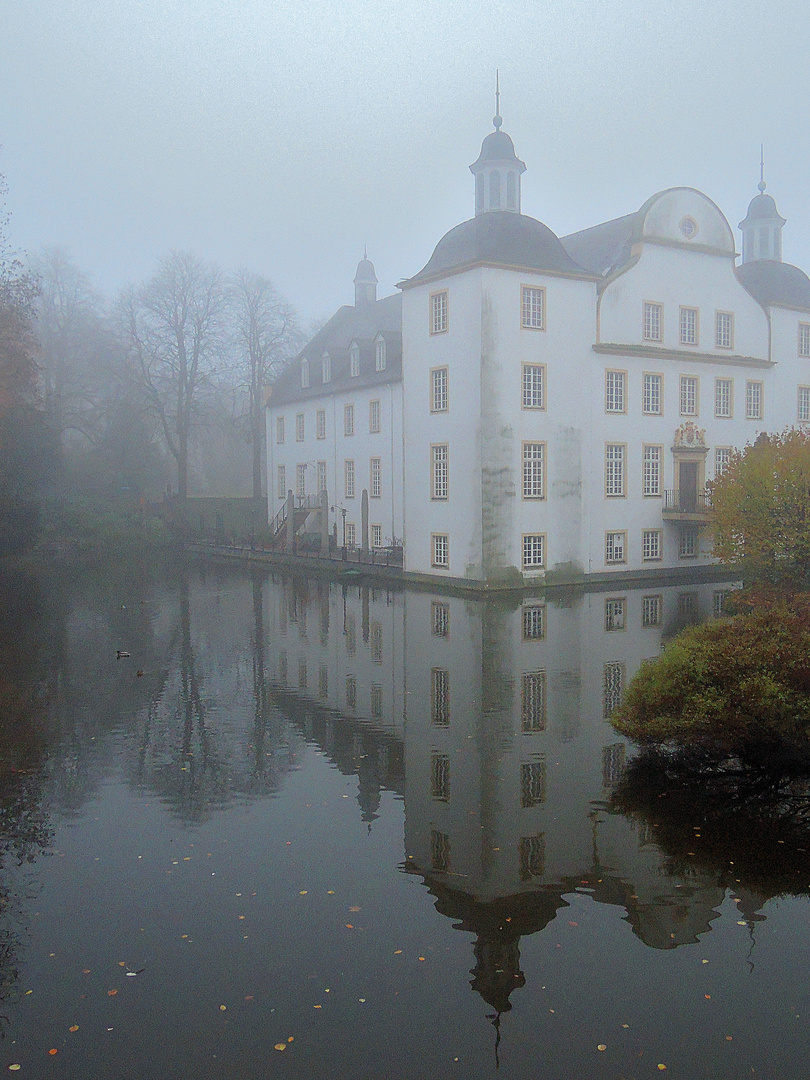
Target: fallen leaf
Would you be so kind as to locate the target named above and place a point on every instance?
(349, 926)
(290, 1038)
(303, 892)
(111, 993)
(280, 1046)
(53, 1051)
(222, 1008)
(121, 963)
(86, 971)
(601, 1046)
(663, 1068)
(14, 1068)
(421, 958)
(74, 1028)
(317, 1006)
(397, 952)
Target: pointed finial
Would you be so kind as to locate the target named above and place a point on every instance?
(496, 119)
(365, 251)
(761, 185)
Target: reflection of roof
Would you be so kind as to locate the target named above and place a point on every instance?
(498, 238)
(776, 283)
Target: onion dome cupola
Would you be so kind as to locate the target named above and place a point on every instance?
(498, 169)
(762, 226)
(365, 281)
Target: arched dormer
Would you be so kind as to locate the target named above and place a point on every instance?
(326, 368)
(354, 360)
(304, 374)
(379, 353)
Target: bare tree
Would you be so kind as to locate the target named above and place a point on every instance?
(173, 330)
(266, 333)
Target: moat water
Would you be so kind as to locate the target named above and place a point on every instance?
(304, 829)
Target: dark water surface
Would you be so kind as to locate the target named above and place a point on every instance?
(389, 831)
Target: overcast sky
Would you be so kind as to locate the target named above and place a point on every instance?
(283, 135)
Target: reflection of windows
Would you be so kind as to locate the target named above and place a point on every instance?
(351, 692)
(614, 613)
(532, 783)
(440, 697)
(351, 635)
(533, 702)
(439, 618)
(612, 764)
(612, 687)
(651, 395)
(440, 777)
(534, 622)
(302, 674)
(651, 545)
(376, 701)
(651, 607)
(439, 851)
(323, 681)
(376, 641)
(282, 666)
(531, 856)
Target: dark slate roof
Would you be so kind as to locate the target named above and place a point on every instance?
(498, 238)
(497, 146)
(777, 283)
(762, 207)
(361, 324)
(602, 248)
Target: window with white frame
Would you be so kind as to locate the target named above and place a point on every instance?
(753, 400)
(651, 610)
(532, 702)
(719, 600)
(534, 379)
(615, 547)
(533, 307)
(438, 390)
(615, 457)
(300, 480)
(689, 395)
(651, 394)
(534, 551)
(804, 339)
(379, 354)
(612, 687)
(374, 417)
(304, 374)
(348, 419)
(438, 312)
(803, 414)
(533, 467)
(351, 534)
(320, 424)
(326, 368)
(439, 471)
(653, 459)
(534, 622)
(281, 484)
(724, 330)
(321, 471)
(279, 429)
(653, 318)
(722, 459)
(615, 389)
(651, 545)
(375, 476)
(689, 326)
(615, 607)
(440, 543)
(348, 476)
(376, 536)
(354, 361)
(439, 618)
(299, 427)
(440, 697)
(722, 397)
(688, 543)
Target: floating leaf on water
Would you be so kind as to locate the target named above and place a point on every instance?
(75, 1027)
(601, 1046)
(280, 1046)
(53, 1051)
(222, 1008)
(14, 1068)
(663, 1068)
(111, 993)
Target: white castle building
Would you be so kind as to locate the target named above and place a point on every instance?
(535, 407)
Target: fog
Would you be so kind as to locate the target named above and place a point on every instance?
(284, 137)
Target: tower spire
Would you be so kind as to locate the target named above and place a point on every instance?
(496, 119)
(761, 185)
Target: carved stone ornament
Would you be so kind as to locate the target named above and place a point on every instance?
(690, 435)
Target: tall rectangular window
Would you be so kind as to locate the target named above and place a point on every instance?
(614, 470)
(534, 551)
(438, 312)
(804, 404)
(534, 622)
(724, 330)
(615, 609)
(348, 474)
(439, 852)
(722, 397)
(351, 534)
(348, 419)
(615, 547)
(439, 618)
(438, 390)
(279, 429)
(320, 424)
(534, 379)
(615, 387)
(532, 856)
(321, 476)
(687, 545)
(438, 471)
(533, 702)
(689, 395)
(379, 355)
(653, 318)
(440, 697)
(533, 467)
(612, 687)
(651, 610)
(651, 545)
(753, 401)
(351, 692)
(299, 427)
(281, 476)
(375, 477)
(440, 545)
(652, 470)
(354, 361)
(440, 777)
(722, 459)
(689, 326)
(533, 307)
(532, 783)
(374, 417)
(804, 339)
(376, 536)
(651, 394)
(300, 481)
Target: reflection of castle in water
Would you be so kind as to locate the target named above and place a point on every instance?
(501, 710)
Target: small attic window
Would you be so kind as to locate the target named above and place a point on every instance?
(326, 368)
(304, 374)
(354, 360)
(689, 228)
(379, 355)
